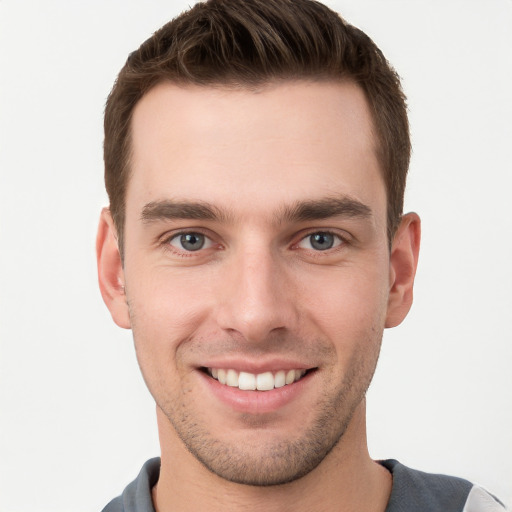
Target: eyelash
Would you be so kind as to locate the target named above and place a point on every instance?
(183, 253)
(340, 242)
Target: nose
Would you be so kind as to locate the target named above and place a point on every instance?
(257, 298)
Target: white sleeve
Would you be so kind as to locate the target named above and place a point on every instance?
(479, 500)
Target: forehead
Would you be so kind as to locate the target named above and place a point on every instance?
(243, 148)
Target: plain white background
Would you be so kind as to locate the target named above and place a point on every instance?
(76, 420)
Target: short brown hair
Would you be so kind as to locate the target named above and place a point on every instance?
(246, 43)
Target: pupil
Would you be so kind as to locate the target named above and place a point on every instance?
(322, 241)
(192, 241)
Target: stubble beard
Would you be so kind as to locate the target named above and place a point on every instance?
(270, 462)
(267, 461)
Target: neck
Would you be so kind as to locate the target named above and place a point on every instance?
(346, 480)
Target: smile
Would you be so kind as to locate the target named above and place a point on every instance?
(255, 382)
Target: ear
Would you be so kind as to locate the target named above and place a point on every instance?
(403, 263)
(110, 270)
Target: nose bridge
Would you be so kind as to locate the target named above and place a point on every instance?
(257, 299)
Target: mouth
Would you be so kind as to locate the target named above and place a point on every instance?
(265, 381)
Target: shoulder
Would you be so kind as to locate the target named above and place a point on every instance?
(137, 495)
(427, 492)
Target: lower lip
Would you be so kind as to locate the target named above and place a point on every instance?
(257, 402)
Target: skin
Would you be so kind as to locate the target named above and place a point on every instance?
(243, 169)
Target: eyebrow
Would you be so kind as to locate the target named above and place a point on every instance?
(171, 210)
(326, 208)
(300, 211)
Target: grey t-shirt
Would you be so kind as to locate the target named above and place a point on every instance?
(412, 491)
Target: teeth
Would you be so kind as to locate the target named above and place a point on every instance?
(246, 381)
(221, 376)
(264, 381)
(251, 382)
(299, 374)
(280, 379)
(232, 378)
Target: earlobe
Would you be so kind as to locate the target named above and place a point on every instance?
(403, 263)
(110, 270)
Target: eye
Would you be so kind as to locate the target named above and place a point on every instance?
(190, 242)
(320, 241)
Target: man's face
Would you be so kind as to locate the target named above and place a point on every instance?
(256, 255)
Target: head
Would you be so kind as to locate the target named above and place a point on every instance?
(249, 43)
(256, 154)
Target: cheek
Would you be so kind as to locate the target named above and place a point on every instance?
(168, 302)
(165, 312)
(352, 317)
(348, 303)
(163, 319)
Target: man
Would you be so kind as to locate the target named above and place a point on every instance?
(255, 159)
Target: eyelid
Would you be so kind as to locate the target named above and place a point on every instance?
(167, 238)
(207, 241)
(343, 239)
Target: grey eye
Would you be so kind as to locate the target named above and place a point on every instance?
(190, 242)
(320, 241)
